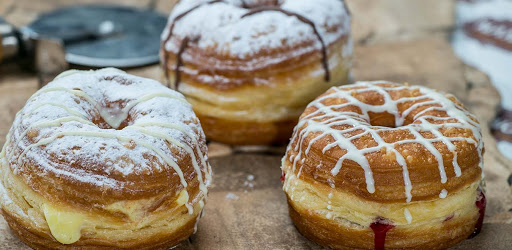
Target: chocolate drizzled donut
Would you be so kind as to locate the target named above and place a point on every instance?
(253, 10)
(182, 48)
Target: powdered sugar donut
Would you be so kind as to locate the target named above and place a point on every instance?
(98, 159)
(250, 67)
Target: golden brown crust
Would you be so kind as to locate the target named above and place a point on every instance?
(232, 73)
(97, 159)
(44, 240)
(161, 188)
(388, 176)
(328, 233)
(247, 133)
(341, 220)
(164, 222)
(262, 113)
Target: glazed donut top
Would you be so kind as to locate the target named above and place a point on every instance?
(253, 35)
(388, 142)
(105, 136)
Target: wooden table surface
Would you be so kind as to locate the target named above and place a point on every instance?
(396, 40)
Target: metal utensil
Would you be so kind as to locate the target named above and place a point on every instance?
(88, 35)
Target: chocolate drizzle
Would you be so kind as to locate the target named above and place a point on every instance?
(260, 3)
(179, 61)
(169, 36)
(490, 31)
(186, 40)
(305, 20)
(244, 4)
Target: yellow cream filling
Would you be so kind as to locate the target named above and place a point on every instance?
(65, 225)
(182, 197)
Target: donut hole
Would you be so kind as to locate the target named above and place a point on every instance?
(387, 119)
(384, 119)
(113, 116)
(101, 123)
(119, 79)
(385, 115)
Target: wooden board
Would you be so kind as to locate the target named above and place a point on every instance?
(390, 43)
(243, 214)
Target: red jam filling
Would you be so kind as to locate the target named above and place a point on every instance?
(380, 227)
(282, 176)
(480, 203)
(449, 217)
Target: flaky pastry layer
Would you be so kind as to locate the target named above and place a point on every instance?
(260, 114)
(348, 138)
(131, 227)
(341, 220)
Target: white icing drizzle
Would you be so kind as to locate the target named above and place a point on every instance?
(408, 216)
(320, 123)
(197, 223)
(62, 120)
(189, 150)
(208, 173)
(443, 194)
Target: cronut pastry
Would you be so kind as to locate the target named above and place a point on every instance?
(249, 68)
(384, 165)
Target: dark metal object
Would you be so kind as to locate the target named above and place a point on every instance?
(9, 42)
(88, 35)
(104, 35)
(501, 127)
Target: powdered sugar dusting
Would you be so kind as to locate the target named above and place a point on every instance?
(220, 26)
(57, 125)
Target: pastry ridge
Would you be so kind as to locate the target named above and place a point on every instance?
(255, 70)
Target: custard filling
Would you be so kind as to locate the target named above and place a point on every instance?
(65, 225)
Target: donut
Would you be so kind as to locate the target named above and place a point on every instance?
(104, 159)
(249, 68)
(385, 165)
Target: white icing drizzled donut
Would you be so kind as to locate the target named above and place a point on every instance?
(423, 117)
